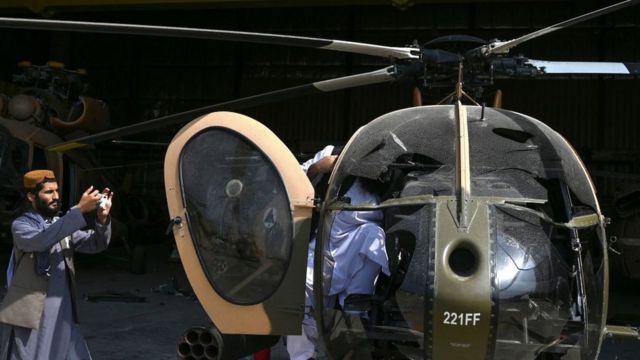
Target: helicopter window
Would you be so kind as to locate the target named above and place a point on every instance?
(538, 283)
(400, 245)
(238, 214)
(437, 183)
(559, 199)
(388, 309)
(593, 275)
(586, 286)
(356, 244)
(593, 245)
(406, 167)
(515, 135)
(524, 246)
(550, 157)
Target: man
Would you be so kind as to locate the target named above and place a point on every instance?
(356, 246)
(40, 312)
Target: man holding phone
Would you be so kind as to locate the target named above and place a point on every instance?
(40, 312)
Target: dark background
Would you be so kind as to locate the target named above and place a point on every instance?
(144, 77)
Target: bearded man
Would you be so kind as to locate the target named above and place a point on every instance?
(40, 312)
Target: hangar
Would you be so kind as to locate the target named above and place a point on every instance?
(142, 78)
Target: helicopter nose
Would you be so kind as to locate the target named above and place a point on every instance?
(461, 304)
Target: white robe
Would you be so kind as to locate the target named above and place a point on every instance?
(357, 247)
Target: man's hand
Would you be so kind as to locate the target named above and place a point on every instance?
(89, 200)
(322, 166)
(103, 212)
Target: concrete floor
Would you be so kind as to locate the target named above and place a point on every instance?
(115, 329)
(151, 329)
(148, 330)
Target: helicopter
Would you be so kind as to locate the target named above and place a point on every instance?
(494, 235)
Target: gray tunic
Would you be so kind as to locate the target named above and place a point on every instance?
(58, 337)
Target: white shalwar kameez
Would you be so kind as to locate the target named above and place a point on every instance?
(357, 246)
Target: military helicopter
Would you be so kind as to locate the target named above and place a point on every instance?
(494, 236)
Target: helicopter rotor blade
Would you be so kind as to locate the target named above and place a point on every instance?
(211, 34)
(585, 67)
(503, 47)
(388, 74)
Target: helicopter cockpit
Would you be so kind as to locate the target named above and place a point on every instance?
(519, 281)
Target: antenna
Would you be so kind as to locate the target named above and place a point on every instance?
(459, 92)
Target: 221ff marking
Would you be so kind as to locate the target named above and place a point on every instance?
(462, 319)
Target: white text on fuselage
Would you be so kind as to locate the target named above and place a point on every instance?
(461, 319)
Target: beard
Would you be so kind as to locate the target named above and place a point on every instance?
(48, 209)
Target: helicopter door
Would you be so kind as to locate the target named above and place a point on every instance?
(241, 208)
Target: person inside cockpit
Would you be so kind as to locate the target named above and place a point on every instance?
(356, 247)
